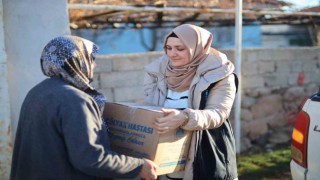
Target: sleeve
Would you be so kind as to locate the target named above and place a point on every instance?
(217, 109)
(81, 127)
(149, 87)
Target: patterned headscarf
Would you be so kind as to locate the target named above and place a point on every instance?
(71, 59)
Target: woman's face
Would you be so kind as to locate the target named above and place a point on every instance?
(177, 52)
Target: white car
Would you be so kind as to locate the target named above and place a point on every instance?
(305, 144)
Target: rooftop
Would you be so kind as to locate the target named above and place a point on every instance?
(103, 14)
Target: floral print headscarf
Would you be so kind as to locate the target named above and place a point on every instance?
(71, 59)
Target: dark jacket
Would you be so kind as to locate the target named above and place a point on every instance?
(215, 157)
(61, 136)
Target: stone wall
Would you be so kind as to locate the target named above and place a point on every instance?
(5, 138)
(275, 82)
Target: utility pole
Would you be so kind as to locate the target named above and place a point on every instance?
(237, 52)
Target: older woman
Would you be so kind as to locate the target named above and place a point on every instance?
(196, 85)
(61, 134)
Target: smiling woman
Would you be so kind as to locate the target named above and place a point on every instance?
(177, 51)
(176, 81)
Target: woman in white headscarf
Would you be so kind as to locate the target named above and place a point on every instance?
(61, 134)
(196, 85)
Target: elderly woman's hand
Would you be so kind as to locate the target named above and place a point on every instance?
(172, 120)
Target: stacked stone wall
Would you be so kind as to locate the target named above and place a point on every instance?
(275, 83)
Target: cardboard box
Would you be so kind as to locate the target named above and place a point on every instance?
(131, 134)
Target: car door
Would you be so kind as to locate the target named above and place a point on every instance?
(313, 157)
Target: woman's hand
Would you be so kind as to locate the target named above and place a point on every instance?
(148, 170)
(172, 120)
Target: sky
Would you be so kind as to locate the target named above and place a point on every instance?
(303, 3)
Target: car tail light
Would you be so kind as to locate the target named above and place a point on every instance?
(300, 139)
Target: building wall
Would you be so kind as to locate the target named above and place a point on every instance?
(25, 27)
(125, 41)
(279, 76)
(283, 35)
(275, 83)
(29, 25)
(5, 145)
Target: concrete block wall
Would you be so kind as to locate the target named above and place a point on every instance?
(275, 82)
(120, 77)
(5, 130)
